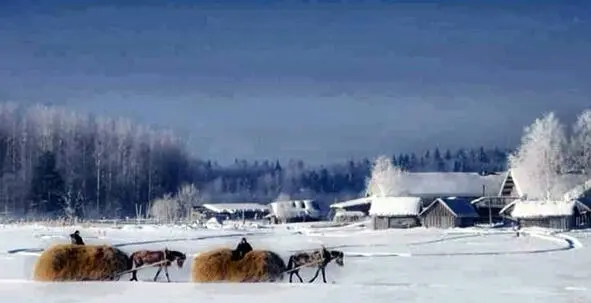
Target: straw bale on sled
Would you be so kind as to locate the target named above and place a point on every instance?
(68, 262)
(255, 266)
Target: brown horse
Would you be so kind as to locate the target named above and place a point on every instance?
(165, 256)
(320, 258)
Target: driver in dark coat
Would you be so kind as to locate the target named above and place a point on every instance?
(76, 239)
(241, 250)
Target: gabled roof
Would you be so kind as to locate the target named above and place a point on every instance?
(395, 206)
(521, 209)
(355, 202)
(567, 185)
(461, 208)
(236, 207)
(436, 184)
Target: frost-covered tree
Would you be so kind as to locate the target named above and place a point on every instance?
(540, 158)
(581, 143)
(165, 209)
(386, 179)
(187, 197)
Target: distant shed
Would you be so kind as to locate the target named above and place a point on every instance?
(448, 213)
(395, 212)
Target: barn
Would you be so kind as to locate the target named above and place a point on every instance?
(395, 212)
(448, 213)
(561, 215)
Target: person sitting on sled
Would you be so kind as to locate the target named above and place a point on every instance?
(76, 239)
(241, 250)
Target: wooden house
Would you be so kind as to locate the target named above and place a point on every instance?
(344, 216)
(448, 213)
(561, 215)
(361, 205)
(294, 211)
(395, 212)
(237, 211)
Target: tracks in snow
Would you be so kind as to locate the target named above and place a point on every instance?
(571, 243)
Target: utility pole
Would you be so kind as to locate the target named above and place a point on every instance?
(489, 205)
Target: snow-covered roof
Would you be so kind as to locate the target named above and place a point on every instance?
(451, 184)
(461, 208)
(236, 207)
(565, 185)
(521, 209)
(355, 202)
(395, 206)
(578, 191)
(295, 208)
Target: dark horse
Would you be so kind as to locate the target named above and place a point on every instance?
(242, 249)
(165, 256)
(76, 239)
(320, 258)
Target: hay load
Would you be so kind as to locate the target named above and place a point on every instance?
(67, 262)
(255, 266)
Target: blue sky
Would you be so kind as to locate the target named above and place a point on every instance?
(322, 83)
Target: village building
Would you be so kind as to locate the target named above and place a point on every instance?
(235, 211)
(346, 216)
(561, 215)
(294, 211)
(395, 212)
(449, 212)
(428, 186)
(360, 204)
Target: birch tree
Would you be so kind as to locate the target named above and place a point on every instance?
(187, 197)
(540, 158)
(581, 143)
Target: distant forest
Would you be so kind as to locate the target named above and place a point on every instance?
(55, 162)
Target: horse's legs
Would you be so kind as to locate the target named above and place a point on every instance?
(323, 275)
(157, 273)
(166, 272)
(290, 276)
(315, 275)
(134, 273)
(297, 273)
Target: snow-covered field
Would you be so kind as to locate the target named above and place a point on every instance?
(416, 265)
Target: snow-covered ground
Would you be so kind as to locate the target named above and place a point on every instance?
(416, 265)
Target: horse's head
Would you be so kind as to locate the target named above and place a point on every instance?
(338, 256)
(180, 258)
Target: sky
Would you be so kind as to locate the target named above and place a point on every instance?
(319, 82)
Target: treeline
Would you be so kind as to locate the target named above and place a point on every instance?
(55, 162)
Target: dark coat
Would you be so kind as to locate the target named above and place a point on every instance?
(242, 249)
(76, 239)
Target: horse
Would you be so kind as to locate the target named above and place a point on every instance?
(321, 258)
(76, 239)
(142, 257)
